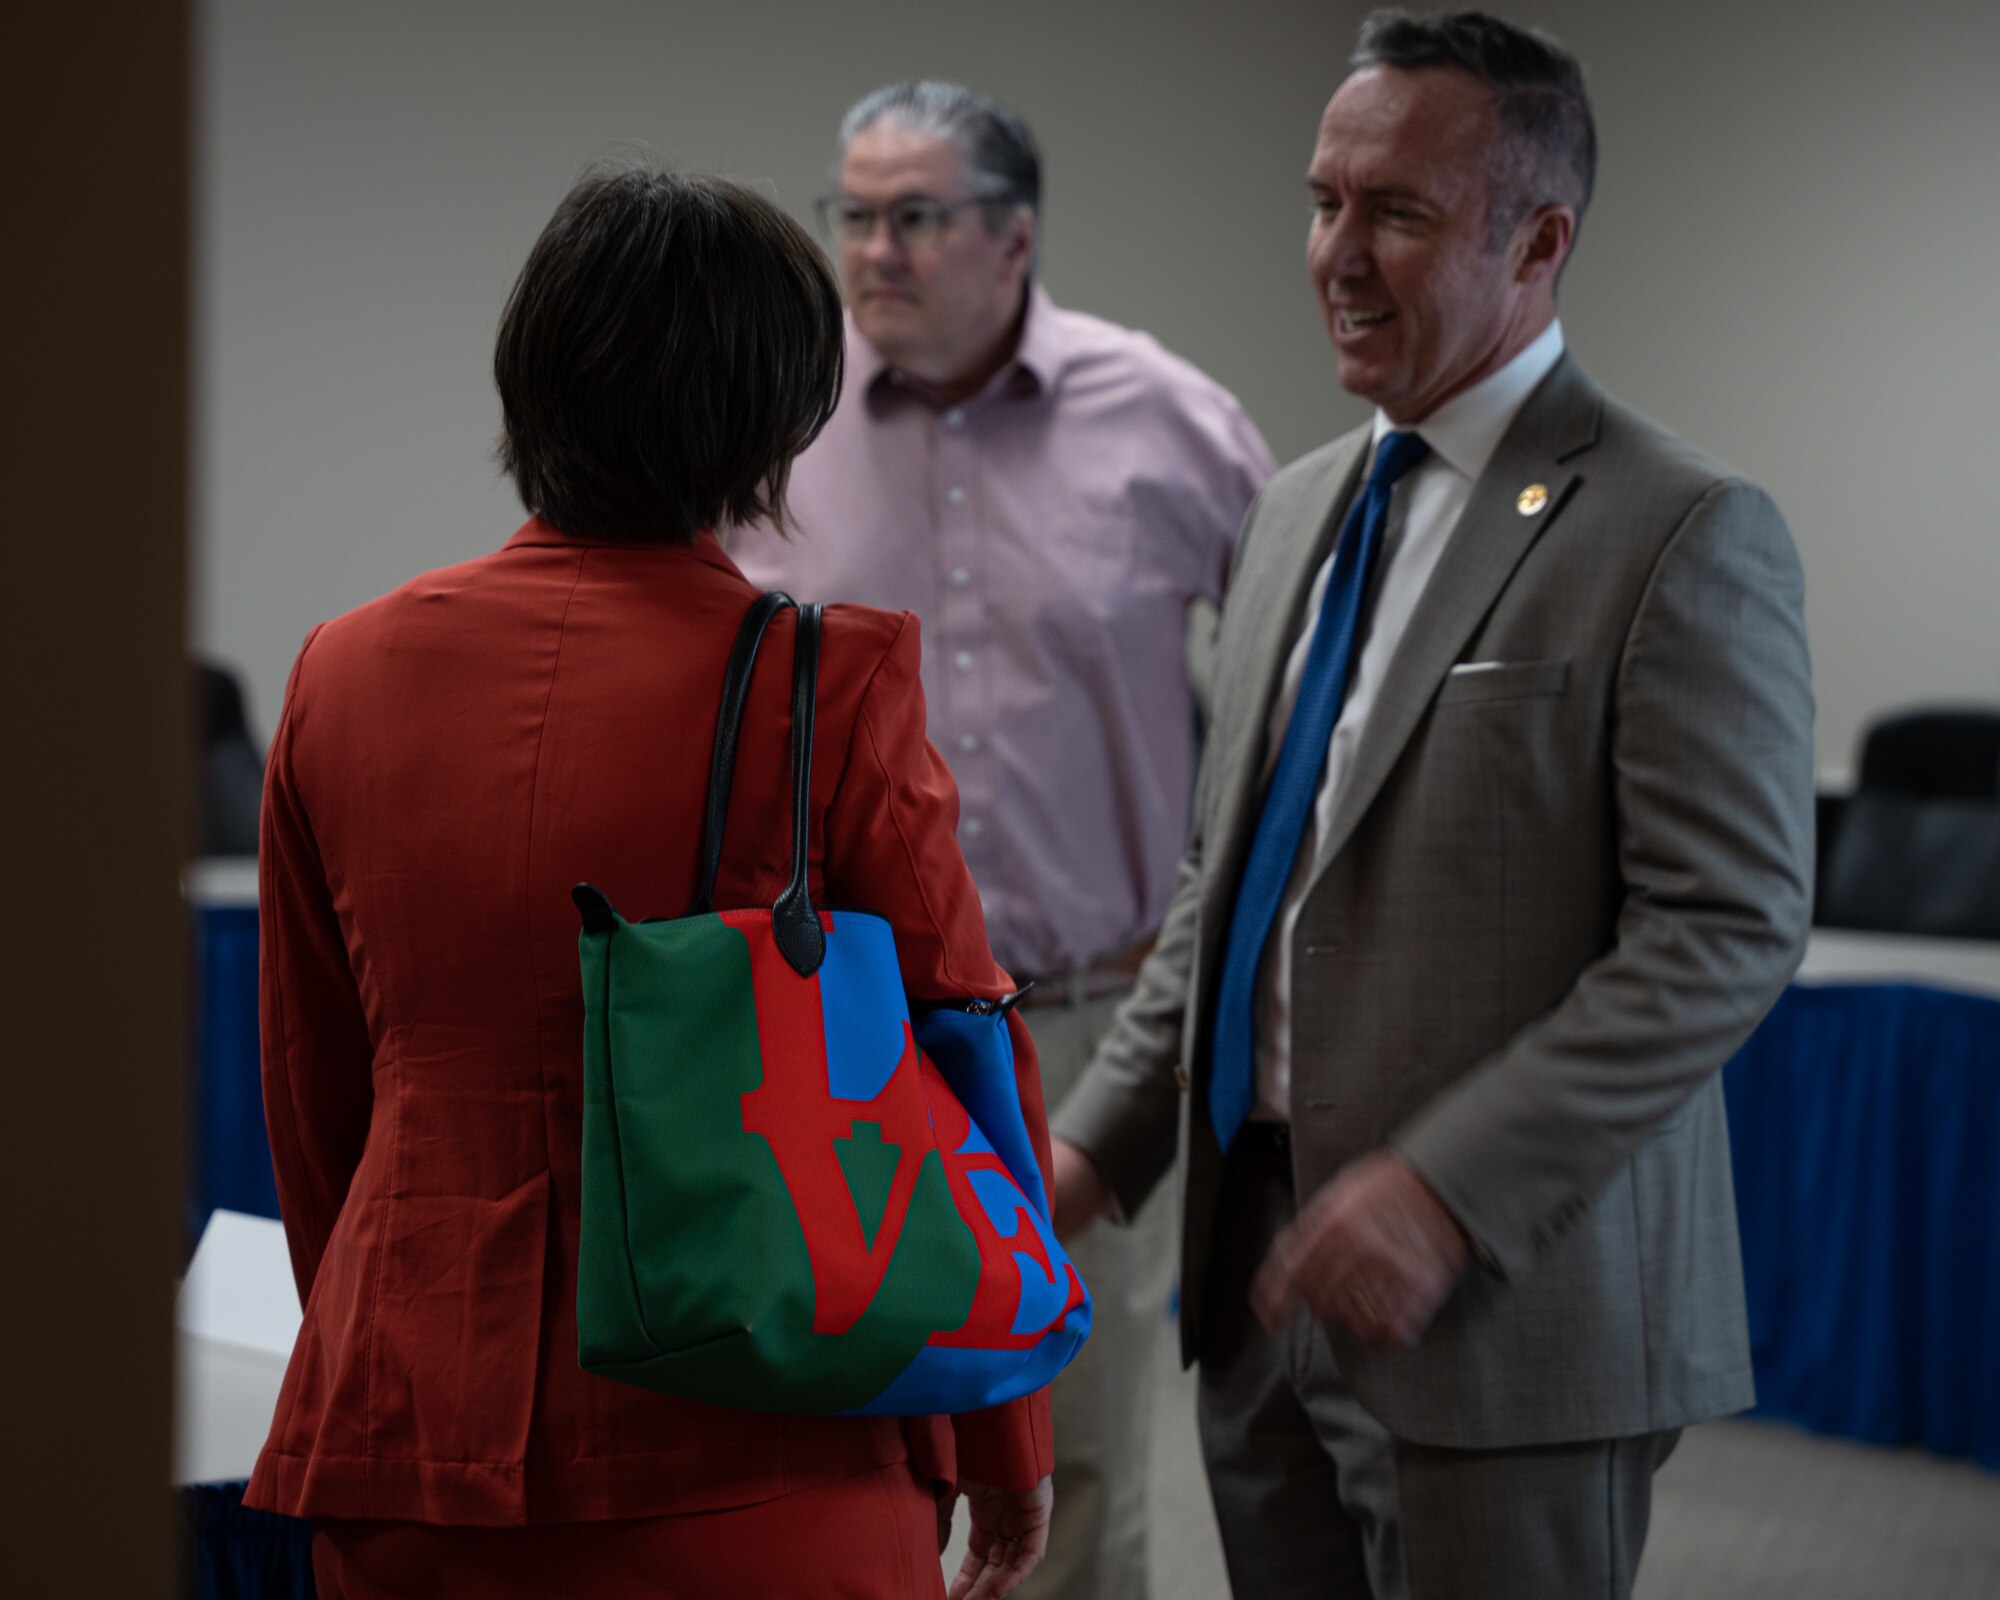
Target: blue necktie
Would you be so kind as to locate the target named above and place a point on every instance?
(1232, 1082)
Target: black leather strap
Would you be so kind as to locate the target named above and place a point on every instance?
(794, 923)
(722, 763)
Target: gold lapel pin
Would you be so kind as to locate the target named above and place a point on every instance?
(1533, 498)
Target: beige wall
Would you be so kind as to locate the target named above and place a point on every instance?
(1795, 261)
(1794, 258)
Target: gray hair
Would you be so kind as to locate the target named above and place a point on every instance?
(999, 150)
(1548, 155)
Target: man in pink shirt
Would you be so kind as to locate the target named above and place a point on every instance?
(1050, 493)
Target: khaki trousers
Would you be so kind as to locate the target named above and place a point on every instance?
(1104, 1400)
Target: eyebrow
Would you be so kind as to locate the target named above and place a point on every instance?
(1385, 191)
(896, 199)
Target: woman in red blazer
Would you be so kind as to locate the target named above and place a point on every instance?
(450, 760)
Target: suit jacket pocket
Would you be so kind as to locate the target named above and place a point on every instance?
(1502, 680)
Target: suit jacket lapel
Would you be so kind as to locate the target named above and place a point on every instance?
(1301, 523)
(1273, 595)
(1558, 423)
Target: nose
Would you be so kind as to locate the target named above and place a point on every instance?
(881, 242)
(1339, 249)
(875, 258)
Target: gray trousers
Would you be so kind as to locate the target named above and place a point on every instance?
(1315, 1497)
(1103, 1402)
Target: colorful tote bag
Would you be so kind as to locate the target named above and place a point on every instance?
(801, 1193)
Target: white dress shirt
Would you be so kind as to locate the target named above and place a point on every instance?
(1463, 433)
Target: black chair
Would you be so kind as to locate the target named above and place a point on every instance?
(1940, 755)
(229, 765)
(1916, 848)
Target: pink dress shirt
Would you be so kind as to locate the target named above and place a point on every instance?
(1050, 534)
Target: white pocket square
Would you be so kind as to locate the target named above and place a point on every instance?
(1467, 668)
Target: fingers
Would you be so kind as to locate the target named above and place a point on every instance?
(999, 1571)
(1306, 1262)
(993, 1575)
(1346, 1282)
(1080, 1191)
(969, 1571)
(1376, 1315)
(1377, 1308)
(1275, 1291)
(1010, 1534)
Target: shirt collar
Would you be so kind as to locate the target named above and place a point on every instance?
(1466, 430)
(1033, 369)
(1041, 353)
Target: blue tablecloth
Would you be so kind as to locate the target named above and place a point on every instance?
(1865, 1128)
(229, 1157)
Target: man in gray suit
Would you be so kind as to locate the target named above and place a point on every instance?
(1502, 846)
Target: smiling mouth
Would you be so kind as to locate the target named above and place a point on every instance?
(1350, 321)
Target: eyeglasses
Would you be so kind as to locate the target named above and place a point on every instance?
(915, 223)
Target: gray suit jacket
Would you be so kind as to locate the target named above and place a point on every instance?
(1559, 892)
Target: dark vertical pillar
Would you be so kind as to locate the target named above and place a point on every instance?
(93, 777)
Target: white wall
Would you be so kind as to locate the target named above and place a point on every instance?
(1794, 258)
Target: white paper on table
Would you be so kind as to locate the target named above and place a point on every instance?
(1839, 955)
(235, 1323)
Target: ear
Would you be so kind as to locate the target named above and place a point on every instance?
(1020, 252)
(1542, 244)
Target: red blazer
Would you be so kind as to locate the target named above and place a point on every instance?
(450, 760)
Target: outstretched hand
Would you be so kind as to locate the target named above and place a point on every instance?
(1010, 1533)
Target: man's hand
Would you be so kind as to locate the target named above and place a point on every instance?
(1081, 1193)
(1010, 1532)
(1374, 1252)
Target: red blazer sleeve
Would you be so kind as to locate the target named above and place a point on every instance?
(317, 1055)
(892, 846)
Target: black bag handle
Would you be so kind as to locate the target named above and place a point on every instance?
(722, 762)
(794, 922)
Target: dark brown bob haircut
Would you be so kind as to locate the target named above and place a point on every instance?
(673, 342)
